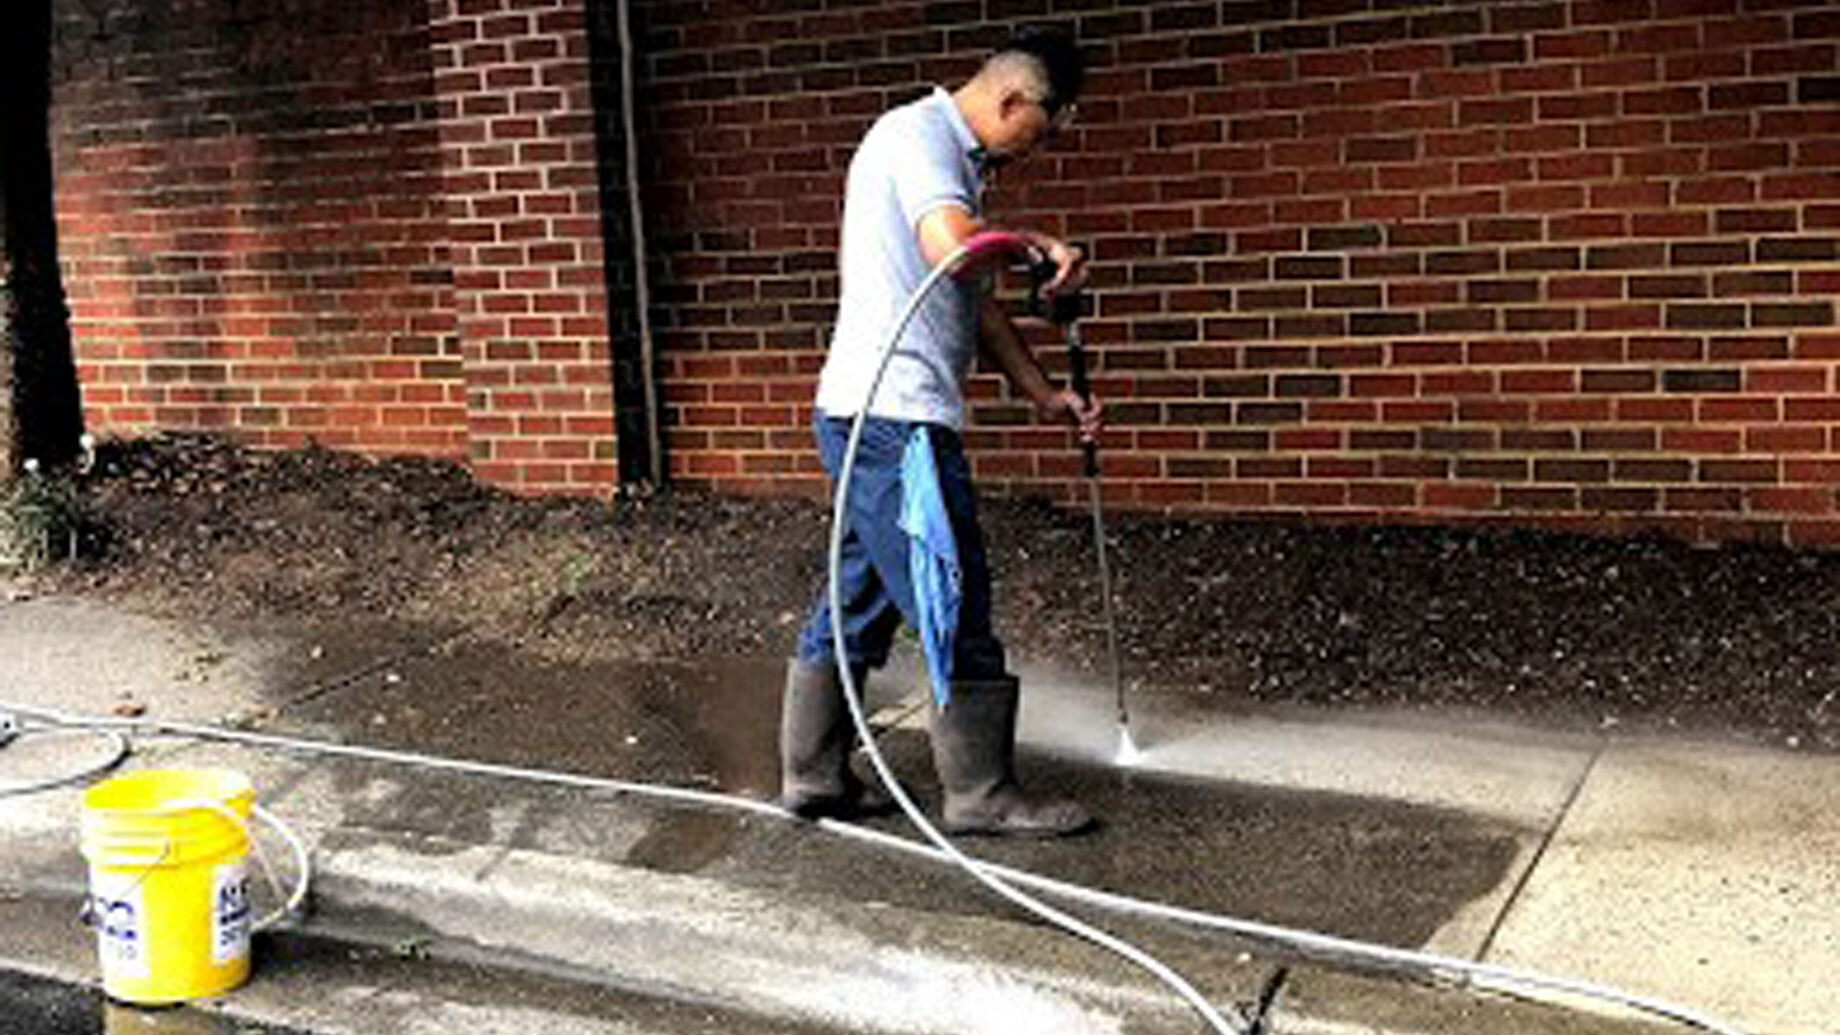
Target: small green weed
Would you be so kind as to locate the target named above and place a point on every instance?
(40, 516)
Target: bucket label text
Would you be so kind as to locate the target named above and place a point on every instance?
(121, 932)
(230, 914)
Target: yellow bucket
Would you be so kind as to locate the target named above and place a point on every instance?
(169, 882)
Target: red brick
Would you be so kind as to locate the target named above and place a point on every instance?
(1556, 198)
(1671, 100)
(1626, 133)
(1821, 217)
(1752, 157)
(1538, 79)
(1585, 44)
(1582, 227)
(1668, 224)
(1786, 439)
(1819, 472)
(1815, 118)
(1629, 195)
(1627, 71)
(1581, 166)
(1802, 186)
(1826, 409)
(1701, 440)
(1623, 318)
(1812, 57)
(1716, 190)
(1798, 501)
(1460, 497)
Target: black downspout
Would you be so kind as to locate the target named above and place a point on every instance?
(632, 423)
(47, 403)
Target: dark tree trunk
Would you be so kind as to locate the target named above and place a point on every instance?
(47, 409)
(9, 432)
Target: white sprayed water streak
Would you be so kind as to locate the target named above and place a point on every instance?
(1128, 756)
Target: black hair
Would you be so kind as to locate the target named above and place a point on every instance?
(1059, 56)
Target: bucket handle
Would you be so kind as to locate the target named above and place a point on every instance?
(86, 914)
(291, 902)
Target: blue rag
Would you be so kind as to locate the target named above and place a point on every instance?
(932, 558)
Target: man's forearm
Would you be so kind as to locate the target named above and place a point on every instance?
(998, 340)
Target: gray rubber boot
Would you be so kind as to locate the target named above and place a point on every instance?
(815, 738)
(974, 751)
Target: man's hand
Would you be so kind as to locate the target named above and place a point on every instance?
(1069, 264)
(1066, 406)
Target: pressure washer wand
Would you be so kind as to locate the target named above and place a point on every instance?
(1076, 359)
(1064, 310)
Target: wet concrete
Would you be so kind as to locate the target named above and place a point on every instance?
(1192, 833)
(38, 1006)
(407, 981)
(663, 721)
(471, 991)
(1356, 867)
(1348, 865)
(330, 657)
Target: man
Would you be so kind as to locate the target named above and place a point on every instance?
(912, 197)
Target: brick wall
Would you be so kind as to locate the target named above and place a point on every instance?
(1570, 264)
(517, 137)
(372, 224)
(249, 225)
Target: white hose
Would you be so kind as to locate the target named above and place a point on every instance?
(984, 874)
(1003, 880)
(119, 752)
(1307, 942)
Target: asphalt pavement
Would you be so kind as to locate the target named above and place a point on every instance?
(1696, 873)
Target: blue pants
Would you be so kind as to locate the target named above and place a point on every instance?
(876, 585)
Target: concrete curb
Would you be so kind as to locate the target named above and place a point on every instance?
(808, 960)
(855, 967)
(882, 969)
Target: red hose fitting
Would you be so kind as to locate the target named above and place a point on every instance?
(979, 248)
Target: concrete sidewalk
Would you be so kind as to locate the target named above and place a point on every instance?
(1704, 874)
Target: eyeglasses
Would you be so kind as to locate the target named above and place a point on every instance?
(1060, 116)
